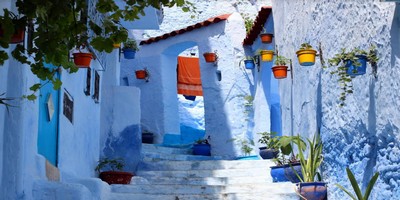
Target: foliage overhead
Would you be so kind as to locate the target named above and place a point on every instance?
(58, 26)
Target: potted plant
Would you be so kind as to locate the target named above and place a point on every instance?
(287, 165)
(130, 47)
(267, 55)
(351, 64)
(82, 57)
(249, 62)
(356, 187)
(306, 55)
(270, 140)
(142, 74)
(114, 173)
(202, 147)
(247, 148)
(210, 57)
(266, 37)
(309, 188)
(16, 35)
(280, 68)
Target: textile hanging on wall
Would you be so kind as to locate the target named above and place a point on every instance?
(189, 78)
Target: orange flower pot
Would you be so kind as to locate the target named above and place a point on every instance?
(266, 38)
(280, 72)
(141, 74)
(82, 60)
(18, 36)
(210, 57)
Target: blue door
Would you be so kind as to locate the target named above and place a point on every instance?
(48, 120)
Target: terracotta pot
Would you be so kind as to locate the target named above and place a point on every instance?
(17, 37)
(267, 55)
(116, 177)
(82, 60)
(313, 190)
(280, 72)
(266, 38)
(306, 57)
(141, 74)
(210, 57)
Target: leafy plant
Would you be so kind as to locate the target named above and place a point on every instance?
(286, 154)
(246, 145)
(248, 22)
(310, 165)
(113, 164)
(269, 139)
(305, 46)
(203, 141)
(341, 59)
(356, 187)
(281, 60)
(131, 44)
(58, 27)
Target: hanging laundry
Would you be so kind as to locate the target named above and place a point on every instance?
(189, 79)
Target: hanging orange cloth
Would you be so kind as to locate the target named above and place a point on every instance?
(189, 79)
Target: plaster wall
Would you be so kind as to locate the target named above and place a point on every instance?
(364, 134)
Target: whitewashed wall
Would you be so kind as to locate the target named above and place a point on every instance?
(364, 134)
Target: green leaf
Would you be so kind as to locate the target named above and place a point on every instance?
(346, 191)
(56, 84)
(370, 186)
(31, 97)
(35, 87)
(354, 184)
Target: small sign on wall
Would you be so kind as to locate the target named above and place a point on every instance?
(68, 106)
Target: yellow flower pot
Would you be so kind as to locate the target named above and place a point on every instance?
(306, 57)
(267, 55)
(117, 46)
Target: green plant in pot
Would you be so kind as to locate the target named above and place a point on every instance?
(309, 188)
(270, 140)
(287, 162)
(280, 69)
(202, 147)
(249, 62)
(359, 195)
(130, 48)
(246, 146)
(110, 171)
(306, 55)
(350, 64)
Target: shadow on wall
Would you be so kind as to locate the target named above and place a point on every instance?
(126, 146)
(395, 36)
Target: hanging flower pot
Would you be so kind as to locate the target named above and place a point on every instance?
(266, 38)
(267, 55)
(141, 74)
(249, 64)
(313, 190)
(210, 57)
(353, 70)
(82, 60)
(116, 177)
(117, 45)
(129, 53)
(306, 57)
(280, 72)
(18, 36)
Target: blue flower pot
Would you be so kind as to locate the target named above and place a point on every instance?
(285, 173)
(202, 149)
(313, 190)
(248, 158)
(357, 70)
(249, 64)
(268, 153)
(129, 53)
(278, 174)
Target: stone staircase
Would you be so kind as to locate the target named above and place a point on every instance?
(174, 174)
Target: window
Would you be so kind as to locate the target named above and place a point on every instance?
(68, 106)
(96, 87)
(88, 82)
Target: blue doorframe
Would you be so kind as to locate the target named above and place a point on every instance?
(49, 109)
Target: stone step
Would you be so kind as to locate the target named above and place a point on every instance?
(267, 188)
(156, 148)
(137, 180)
(252, 196)
(203, 165)
(148, 156)
(254, 172)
